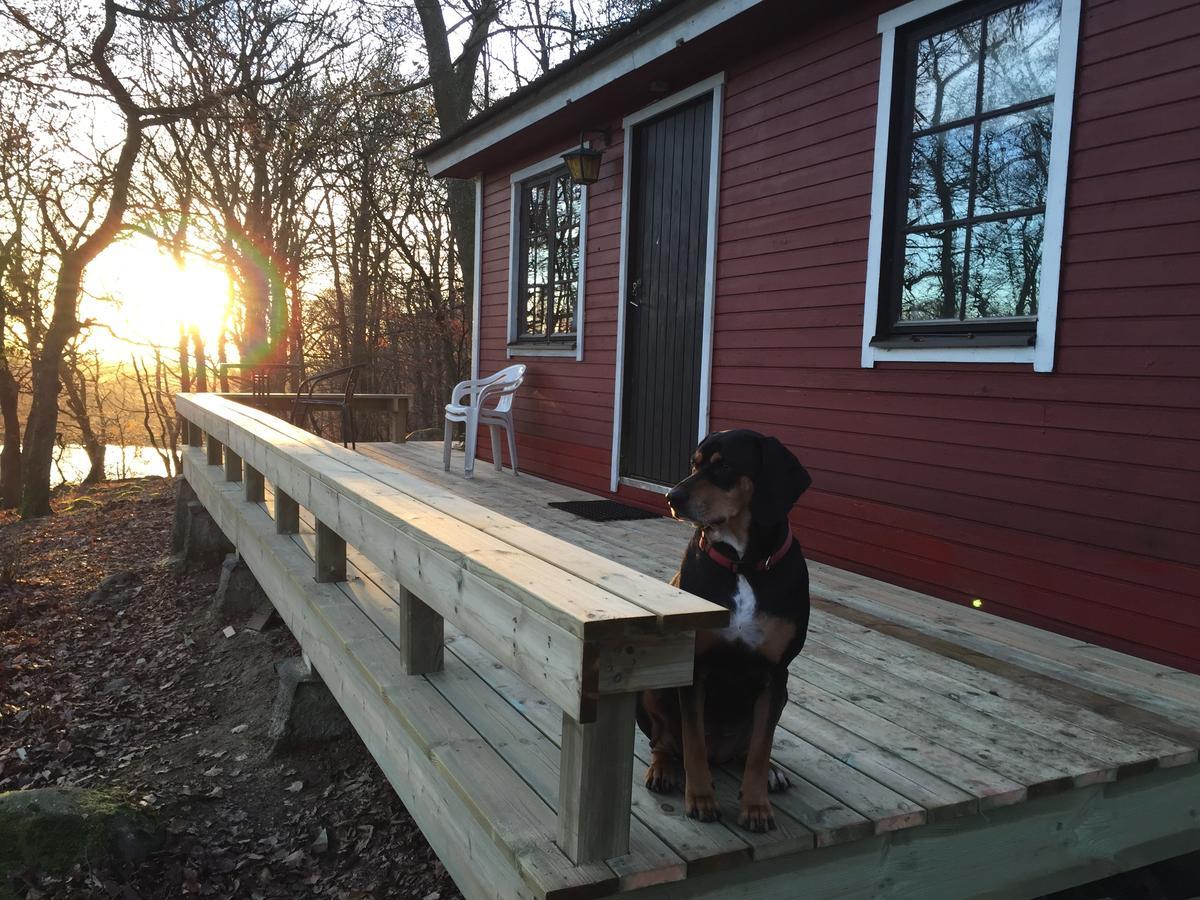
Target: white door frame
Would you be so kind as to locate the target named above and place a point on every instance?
(714, 85)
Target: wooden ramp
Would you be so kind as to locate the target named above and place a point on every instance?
(934, 751)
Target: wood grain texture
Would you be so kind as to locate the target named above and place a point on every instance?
(254, 485)
(596, 767)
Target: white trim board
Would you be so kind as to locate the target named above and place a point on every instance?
(514, 249)
(715, 85)
(1041, 355)
(476, 290)
(656, 39)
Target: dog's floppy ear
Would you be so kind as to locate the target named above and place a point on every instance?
(781, 480)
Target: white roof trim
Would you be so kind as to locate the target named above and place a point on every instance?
(661, 37)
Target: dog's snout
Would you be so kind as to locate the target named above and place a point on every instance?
(677, 498)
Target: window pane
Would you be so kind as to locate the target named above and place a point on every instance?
(535, 310)
(566, 264)
(933, 263)
(940, 179)
(947, 76)
(1006, 260)
(1021, 59)
(537, 258)
(1014, 161)
(564, 307)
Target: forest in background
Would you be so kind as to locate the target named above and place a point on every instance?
(271, 138)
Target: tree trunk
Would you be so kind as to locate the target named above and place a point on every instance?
(74, 384)
(42, 425)
(185, 378)
(461, 196)
(201, 361)
(10, 456)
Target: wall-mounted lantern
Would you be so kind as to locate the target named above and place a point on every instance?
(583, 163)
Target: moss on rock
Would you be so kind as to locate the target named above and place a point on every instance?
(49, 830)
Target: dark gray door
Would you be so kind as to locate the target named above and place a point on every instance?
(664, 303)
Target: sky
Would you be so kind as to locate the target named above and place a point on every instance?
(143, 295)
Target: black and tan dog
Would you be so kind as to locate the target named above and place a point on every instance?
(743, 556)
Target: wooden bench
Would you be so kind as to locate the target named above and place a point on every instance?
(367, 569)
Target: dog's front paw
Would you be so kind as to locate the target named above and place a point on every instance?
(701, 804)
(664, 775)
(757, 816)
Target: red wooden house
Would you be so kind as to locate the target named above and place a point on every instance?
(948, 252)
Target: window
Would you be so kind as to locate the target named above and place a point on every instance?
(547, 262)
(973, 180)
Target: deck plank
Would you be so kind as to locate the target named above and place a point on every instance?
(1126, 746)
(1004, 747)
(1052, 655)
(988, 786)
(1073, 693)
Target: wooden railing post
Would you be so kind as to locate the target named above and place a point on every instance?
(595, 781)
(195, 437)
(331, 554)
(287, 513)
(399, 418)
(213, 448)
(233, 466)
(255, 490)
(422, 637)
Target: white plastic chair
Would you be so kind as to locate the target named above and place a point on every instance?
(487, 400)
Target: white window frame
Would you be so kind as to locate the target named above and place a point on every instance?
(1041, 355)
(515, 348)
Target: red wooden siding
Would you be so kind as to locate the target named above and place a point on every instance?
(1069, 500)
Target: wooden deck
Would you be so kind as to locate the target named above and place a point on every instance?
(923, 739)
(934, 751)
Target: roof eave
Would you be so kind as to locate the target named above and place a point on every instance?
(658, 38)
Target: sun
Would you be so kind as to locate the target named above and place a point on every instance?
(141, 296)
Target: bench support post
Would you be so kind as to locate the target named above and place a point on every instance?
(422, 638)
(595, 781)
(331, 554)
(287, 513)
(255, 491)
(194, 435)
(213, 448)
(233, 466)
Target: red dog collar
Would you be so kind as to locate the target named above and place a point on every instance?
(736, 566)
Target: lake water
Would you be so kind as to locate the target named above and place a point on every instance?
(71, 463)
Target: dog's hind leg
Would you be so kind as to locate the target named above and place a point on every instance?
(658, 717)
(777, 779)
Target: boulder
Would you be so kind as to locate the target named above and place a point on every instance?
(115, 590)
(184, 494)
(238, 593)
(49, 830)
(305, 712)
(204, 544)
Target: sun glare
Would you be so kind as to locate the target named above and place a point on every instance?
(143, 295)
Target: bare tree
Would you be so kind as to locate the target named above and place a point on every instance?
(151, 96)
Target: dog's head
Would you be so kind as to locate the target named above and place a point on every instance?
(739, 477)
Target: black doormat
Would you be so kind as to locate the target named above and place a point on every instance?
(604, 510)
